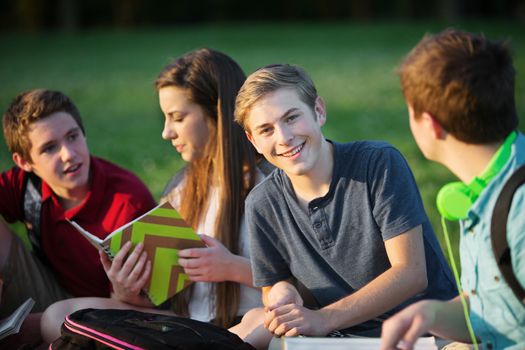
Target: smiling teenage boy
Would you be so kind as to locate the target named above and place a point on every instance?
(345, 220)
(56, 180)
(459, 88)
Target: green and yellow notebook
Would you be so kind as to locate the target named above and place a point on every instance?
(164, 233)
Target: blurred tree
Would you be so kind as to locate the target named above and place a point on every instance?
(70, 15)
(361, 9)
(126, 12)
(449, 9)
(30, 14)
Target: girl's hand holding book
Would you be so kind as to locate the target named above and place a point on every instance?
(214, 263)
(128, 274)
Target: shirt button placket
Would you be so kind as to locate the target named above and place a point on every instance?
(320, 227)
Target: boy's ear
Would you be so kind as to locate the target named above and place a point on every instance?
(320, 110)
(22, 163)
(435, 126)
(250, 138)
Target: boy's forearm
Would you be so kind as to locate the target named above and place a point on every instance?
(386, 291)
(450, 320)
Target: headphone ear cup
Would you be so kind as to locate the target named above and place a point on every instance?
(454, 200)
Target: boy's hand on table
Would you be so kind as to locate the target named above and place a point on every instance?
(285, 314)
(283, 293)
(128, 273)
(292, 320)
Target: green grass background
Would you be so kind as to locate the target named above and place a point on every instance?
(110, 74)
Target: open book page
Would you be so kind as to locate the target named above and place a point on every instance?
(154, 211)
(99, 243)
(94, 240)
(12, 324)
(314, 343)
(163, 233)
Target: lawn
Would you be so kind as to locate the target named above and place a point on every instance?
(110, 74)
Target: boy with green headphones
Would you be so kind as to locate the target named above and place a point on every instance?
(459, 88)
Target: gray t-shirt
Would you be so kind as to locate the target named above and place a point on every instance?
(338, 246)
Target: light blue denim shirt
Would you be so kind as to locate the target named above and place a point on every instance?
(497, 316)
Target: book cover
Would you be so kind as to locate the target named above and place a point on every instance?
(12, 324)
(357, 343)
(164, 233)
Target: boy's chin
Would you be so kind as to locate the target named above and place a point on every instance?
(77, 183)
(296, 171)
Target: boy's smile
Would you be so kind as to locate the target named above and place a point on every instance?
(287, 131)
(59, 155)
(294, 151)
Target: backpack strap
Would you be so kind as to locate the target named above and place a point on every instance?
(32, 194)
(498, 230)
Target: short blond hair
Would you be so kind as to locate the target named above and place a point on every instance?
(269, 79)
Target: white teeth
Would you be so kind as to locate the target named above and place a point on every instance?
(73, 168)
(294, 151)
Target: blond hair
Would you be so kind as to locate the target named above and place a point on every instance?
(269, 79)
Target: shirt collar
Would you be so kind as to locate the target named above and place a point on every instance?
(481, 203)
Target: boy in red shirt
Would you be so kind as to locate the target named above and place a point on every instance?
(55, 180)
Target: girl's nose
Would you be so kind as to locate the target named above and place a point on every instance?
(168, 133)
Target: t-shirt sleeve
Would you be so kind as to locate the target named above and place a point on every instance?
(268, 264)
(516, 234)
(11, 183)
(397, 205)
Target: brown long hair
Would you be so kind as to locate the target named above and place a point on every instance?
(228, 163)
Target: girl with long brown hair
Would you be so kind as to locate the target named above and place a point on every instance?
(197, 97)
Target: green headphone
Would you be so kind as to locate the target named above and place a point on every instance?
(455, 199)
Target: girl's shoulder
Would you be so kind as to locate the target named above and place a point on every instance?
(172, 189)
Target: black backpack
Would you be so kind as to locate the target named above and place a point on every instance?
(130, 329)
(498, 228)
(32, 208)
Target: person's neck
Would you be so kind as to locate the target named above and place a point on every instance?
(316, 183)
(71, 198)
(467, 161)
